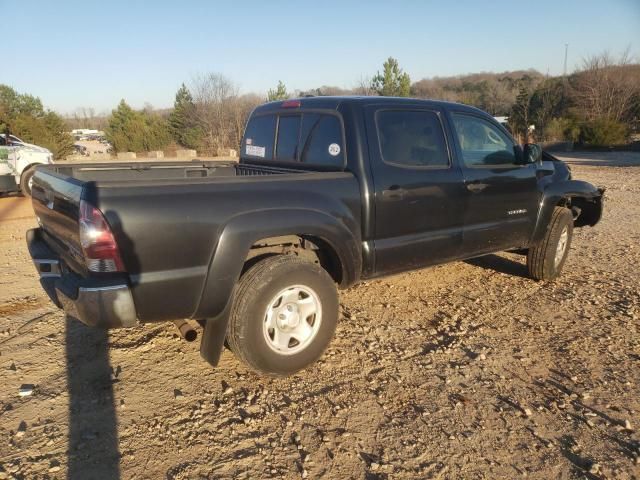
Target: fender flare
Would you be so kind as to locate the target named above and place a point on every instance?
(555, 192)
(232, 248)
(242, 231)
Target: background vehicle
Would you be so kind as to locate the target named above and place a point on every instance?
(80, 149)
(17, 163)
(328, 191)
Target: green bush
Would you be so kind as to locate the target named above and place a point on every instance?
(562, 129)
(604, 132)
(46, 131)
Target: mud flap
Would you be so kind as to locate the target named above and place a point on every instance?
(213, 337)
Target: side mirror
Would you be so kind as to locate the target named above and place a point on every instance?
(532, 153)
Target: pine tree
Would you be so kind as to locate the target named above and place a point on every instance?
(393, 82)
(520, 114)
(124, 130)
(280, 93)
(57, 139)
(132, 131)
(183, 125)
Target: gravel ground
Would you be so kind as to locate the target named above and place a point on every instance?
(467, 370)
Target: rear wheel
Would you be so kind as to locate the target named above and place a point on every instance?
(284, 315)
(26, 181)
(546, 259)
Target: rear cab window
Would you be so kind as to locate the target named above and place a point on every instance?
(312, 138)
(259, 137)
(288, 137)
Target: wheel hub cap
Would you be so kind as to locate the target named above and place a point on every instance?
(288, 317)
(292, 319)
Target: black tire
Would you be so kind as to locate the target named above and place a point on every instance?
(25, 179)
(541, 258)
(247, 334)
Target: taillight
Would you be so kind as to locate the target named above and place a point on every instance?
(98, 244)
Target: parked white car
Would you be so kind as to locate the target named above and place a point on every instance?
(18, 160)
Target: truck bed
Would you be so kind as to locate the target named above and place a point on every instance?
(169, 217)
(129, 172)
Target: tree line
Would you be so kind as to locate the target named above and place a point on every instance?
(210, 114)
(209, 117)
(598, 104)
(24, 116)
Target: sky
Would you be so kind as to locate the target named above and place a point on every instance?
(92, 54)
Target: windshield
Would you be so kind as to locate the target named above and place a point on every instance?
(12, 139)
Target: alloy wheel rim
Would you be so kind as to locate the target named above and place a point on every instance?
(292, 320)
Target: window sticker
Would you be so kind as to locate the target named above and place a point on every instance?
(334, 149)
(255, 151)
(249, 141)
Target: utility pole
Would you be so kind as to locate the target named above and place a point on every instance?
(566, 49)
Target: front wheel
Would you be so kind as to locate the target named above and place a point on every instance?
(26, 181)
(546, 259)
(284, 314)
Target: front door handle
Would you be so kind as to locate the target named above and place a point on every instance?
(394, 192)
(476, 187)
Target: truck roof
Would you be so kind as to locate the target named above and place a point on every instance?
(333, 103)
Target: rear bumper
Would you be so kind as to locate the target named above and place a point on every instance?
(104, 303)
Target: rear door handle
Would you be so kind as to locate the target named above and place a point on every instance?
(394, 192)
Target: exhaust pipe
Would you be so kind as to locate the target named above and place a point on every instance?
(186, 330)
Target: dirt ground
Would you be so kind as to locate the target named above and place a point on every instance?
(468, 370)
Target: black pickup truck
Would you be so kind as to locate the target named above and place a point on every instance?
(327, 192)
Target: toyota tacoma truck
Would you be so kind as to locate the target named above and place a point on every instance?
(327, 192)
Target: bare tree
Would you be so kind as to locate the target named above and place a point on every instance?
(221, 112)
(148, 108)
(240, 109)
(498, 98)
(364, 87)
(88, 114)
(86, 117)
(606, 86)
(215, 97)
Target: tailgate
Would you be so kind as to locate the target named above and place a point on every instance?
(56, 202)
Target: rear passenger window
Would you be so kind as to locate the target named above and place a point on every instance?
(288, 135)
(323, 144)
(313, 138)
(412, 138)
(259, 137)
